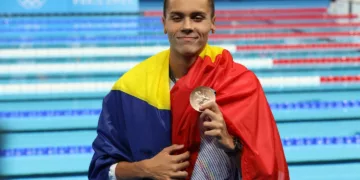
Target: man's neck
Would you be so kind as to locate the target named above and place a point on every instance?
(180, 64)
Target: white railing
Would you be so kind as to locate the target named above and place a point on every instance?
(337, 7)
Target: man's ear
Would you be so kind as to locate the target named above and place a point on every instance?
(163, 22)
(213, 27)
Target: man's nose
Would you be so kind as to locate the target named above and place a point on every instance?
(187, 26)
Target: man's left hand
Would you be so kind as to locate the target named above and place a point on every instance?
(215, 126)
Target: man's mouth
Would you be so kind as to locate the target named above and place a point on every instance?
(187, 38)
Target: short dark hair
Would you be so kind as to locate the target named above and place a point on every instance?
(211, 4)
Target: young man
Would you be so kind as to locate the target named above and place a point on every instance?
(148, 129)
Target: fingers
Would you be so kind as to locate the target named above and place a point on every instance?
(181, 157)
(184, 165)
(210, 114)
(213, 133)
(181, 166)
(179, 175)
(210, 125)
(172, 148)
(211, 105)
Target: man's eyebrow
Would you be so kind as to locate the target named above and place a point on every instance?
(176, 13)
(193, 13)
(198, 13)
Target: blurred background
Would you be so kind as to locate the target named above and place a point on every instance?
(58, 59)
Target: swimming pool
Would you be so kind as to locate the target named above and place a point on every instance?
(54, 72)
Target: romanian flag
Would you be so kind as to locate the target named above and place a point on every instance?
(141, 116)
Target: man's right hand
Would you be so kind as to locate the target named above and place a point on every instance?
(165, 166)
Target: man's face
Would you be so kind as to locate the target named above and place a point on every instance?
(188, 23)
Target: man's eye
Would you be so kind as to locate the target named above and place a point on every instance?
(198, 18)
(176, 18)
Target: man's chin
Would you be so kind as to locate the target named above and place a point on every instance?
(189, 53)
(190, 50)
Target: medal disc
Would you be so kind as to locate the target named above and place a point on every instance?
(200, 96)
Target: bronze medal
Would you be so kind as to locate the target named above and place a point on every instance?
(200, 96)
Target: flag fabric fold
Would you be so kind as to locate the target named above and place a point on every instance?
(245, 109)
(135, 121)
